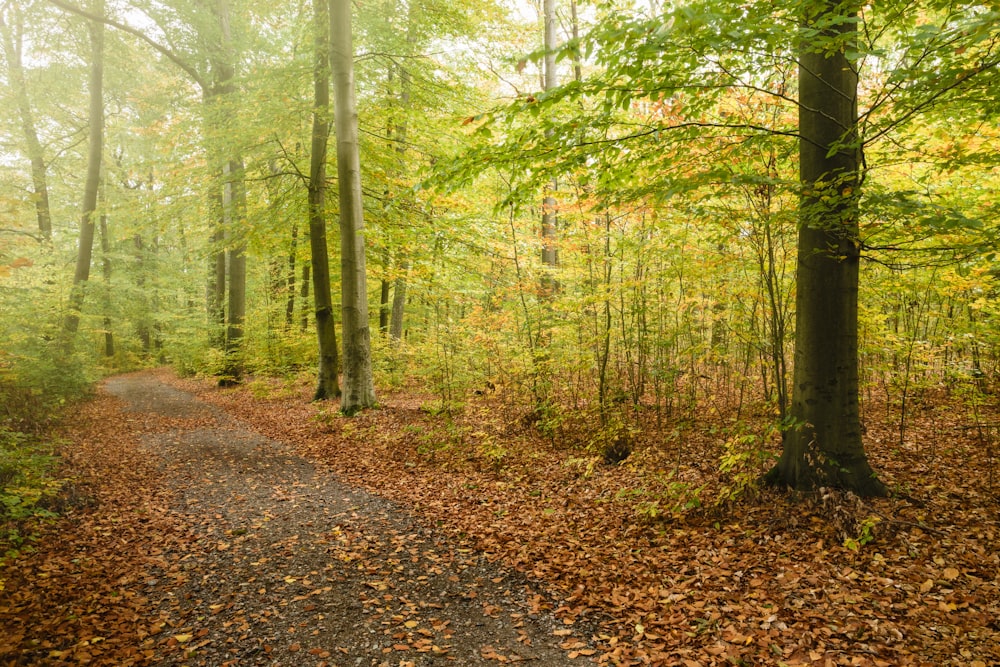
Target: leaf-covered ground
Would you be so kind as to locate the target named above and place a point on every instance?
(826, 579)
(768, 580)
(205, 543)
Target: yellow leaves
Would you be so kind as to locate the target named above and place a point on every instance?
(950, 573)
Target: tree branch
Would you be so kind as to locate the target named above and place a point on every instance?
(159, 48)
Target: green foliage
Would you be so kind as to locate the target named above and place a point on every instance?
(27, 465)
(865, 533)
(744, 459)
(672, 498)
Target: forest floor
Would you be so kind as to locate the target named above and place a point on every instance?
(245, 526)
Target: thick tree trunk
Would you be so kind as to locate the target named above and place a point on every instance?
(823, 446)
(92, 184)
(233, 209)
(328, 385)
(359, 391)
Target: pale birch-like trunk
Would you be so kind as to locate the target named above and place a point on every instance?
(10, 33)
(358, 389)
(550, 257)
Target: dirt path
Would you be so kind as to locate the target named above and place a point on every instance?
(281, 564)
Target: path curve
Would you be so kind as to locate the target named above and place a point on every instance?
(288, 566)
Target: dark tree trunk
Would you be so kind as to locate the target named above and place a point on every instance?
(328, 384)
(383, 299)
(822, 446)
(306, 273)
(290, 280)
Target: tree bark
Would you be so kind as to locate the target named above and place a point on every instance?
(290, 277)
(328, 384)
(233, 210)
(398, 309)
(215, 289)
(550, 257)
(359, 390)
(109, 337)
(95, 149)
(384, 292)
(234, 205)
(398, 304)
(304, 295)
(823, 446)
(18, 83)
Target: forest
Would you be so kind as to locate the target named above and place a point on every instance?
(631, 298)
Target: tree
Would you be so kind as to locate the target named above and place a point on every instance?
(550, 80)
(327, 385)
(95, 148)
(11, 27)
(359, 390)
(822, 446)
(214, 51)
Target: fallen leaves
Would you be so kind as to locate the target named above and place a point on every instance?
(763, 582)
(766, 582)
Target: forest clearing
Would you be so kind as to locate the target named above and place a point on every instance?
(405, 332)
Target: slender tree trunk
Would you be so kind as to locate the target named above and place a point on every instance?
(398, 310)
(215, 290)
(550, 257)
(142, 272)
(92, 184)
(823, 447)
(234, 205)
(383, 300)
(284, 277)
(306, 273)
(577, 63)
(290, 277)
(19, 86)
(327, 385)
(398, 304)
(109, 337)
(359, 390)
